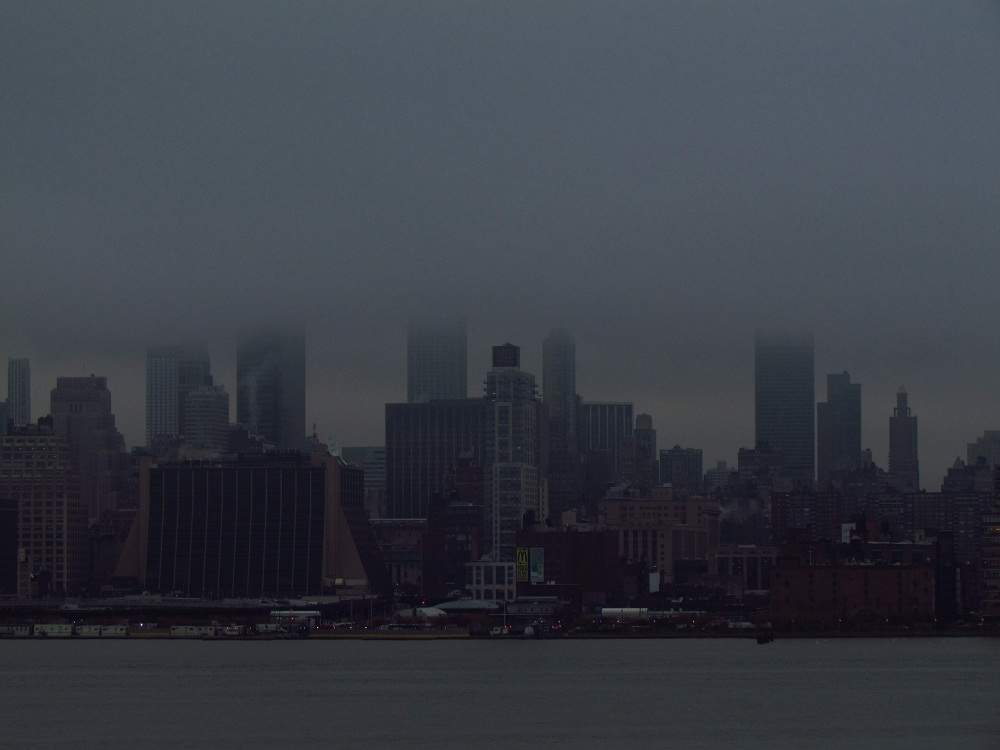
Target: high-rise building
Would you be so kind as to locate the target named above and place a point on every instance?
(513, 452)
(785, 402)
(40, 476)
(436, 359)
(986, 447)
(560, 401)
(82, 416)
(681, 468)
(605, 427)
(423, 445)
(645, 471)
(371, 460)
(271, 388)
(904, 468)
(172, 372)
(206, 418)
(838, 428)
(19, 391)
(4, 418)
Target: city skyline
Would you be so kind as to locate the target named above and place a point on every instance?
(937, 451)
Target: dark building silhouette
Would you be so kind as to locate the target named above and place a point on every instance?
(19, 391)
(904, 468)
(172, 372)
(8, 546)
(681, 468)
(644, 469)
(436, 359)
(423, 445)
(838, 433)
(271, 388)
(82, 416)
(560, 401)
(272, 524)
(785, 400)
(606, 428)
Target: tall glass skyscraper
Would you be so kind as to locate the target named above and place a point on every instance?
(904, 466)
(19, 391)
(559, 397)
(271, 387)
(436, 359)
(838, 428)
(785, 400)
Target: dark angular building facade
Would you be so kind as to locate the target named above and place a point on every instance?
(423, 445)
(236, 530)
(838, 428)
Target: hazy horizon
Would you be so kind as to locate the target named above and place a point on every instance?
(660, 178)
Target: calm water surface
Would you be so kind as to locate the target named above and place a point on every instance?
(933, 693)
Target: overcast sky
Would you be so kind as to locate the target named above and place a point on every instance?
(659, 177)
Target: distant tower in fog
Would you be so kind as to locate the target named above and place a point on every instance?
(560, 401)
(785, 400)
(436, 359)
(904, 468)
(838, 428)
(271, 387)
(19, 391)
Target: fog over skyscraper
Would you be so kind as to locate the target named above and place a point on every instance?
(271, 387)
(172, 372)
(19, 391)
(785, 402)
(436, 359)
(838, 428)
(560, 401)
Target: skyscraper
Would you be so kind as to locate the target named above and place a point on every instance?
(904, 468)
(785, 400)
(513, 451)
(436, 359)
(423, 445)
(605, 428)
(172, 372)
(838, 428)
(19, 391)
(645, 473)
(271, 388)
(206, 416)
(560, 400)
(82, 416)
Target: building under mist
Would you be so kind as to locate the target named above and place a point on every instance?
(785, 401)
(560, 401)
(436, 359)
(271, 387)
(838, 428)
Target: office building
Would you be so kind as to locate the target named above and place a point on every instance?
(986, 447)
(785, 402)
(645, 467)
(271, 388)
(4, 418)
(605, 428)
(904, 467)
(512, 451)
(19, 391)
(171, 374)
(82, 416)
(206, 419)
(278, 524)
(424, 443)
(436, 359)
(838, 429)
(371, 460)
(39, 476)
(560, 401)
(681, 468)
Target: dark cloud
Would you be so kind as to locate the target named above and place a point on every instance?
(659, 177)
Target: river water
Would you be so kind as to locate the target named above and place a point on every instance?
(912, 693)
